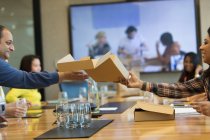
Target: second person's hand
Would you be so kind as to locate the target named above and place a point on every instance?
(132, 81)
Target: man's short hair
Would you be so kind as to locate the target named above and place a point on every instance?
(1, 30)
(130, 29)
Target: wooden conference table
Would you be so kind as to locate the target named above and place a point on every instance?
(184, 127)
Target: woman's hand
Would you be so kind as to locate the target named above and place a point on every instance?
(202, 107)
(132, 82)
(198, 69)
(197, 98)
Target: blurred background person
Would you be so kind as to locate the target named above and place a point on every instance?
(192, 69)
(131, 47)
(172, 48)
(29, 63)
(101, 46)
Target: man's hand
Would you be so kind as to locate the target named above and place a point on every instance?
(72, 76)
(2, 119)
(15, 111)
(3, 122)
(202, 107)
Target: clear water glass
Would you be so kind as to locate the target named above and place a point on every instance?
(83, 94)
(59, 115)
(73, 115)
(87, 115)
(63, 97)
(148, 97)
(22, 103)
(72, 112)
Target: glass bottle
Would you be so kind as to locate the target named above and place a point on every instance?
(93, 95)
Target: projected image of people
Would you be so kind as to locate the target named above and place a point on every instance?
(141, 34)
(172, 49)
(100, 47)
(131, 48)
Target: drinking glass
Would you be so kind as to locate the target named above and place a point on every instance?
(72, 114)
(63, 97)
(59, 115)
(87, 115)
(83, 95)
(148, 97)
(22, 103)
(65, 115)
(83, 115)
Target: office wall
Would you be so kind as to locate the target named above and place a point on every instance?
(56, 37)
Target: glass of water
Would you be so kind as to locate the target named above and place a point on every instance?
(59, 115)
(83, 94)
(22, 103)
(148, 97)
(63, 97)
(73, 115)
(87, 115)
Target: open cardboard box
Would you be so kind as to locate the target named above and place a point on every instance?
(108, 68)
(152, 112)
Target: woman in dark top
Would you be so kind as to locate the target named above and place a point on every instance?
(192, 68)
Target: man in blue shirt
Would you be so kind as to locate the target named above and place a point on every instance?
(12, 77)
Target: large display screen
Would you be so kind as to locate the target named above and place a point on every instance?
(149, 36)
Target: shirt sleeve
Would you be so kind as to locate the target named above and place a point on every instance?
(12, 77)
(178, 90)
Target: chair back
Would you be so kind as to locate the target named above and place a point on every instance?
(72, 87)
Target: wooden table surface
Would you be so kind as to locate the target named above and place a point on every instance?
(192, 127)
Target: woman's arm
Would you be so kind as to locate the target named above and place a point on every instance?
(176, 90)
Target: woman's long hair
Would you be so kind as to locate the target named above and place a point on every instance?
(185, 76)
(26, 62)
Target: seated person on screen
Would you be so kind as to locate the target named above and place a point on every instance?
(29, 63)
(192, 69)
(132, 46)
(179, 90)
(172, 48)
(101, 46)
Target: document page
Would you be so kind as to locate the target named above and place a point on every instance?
(185, 110)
